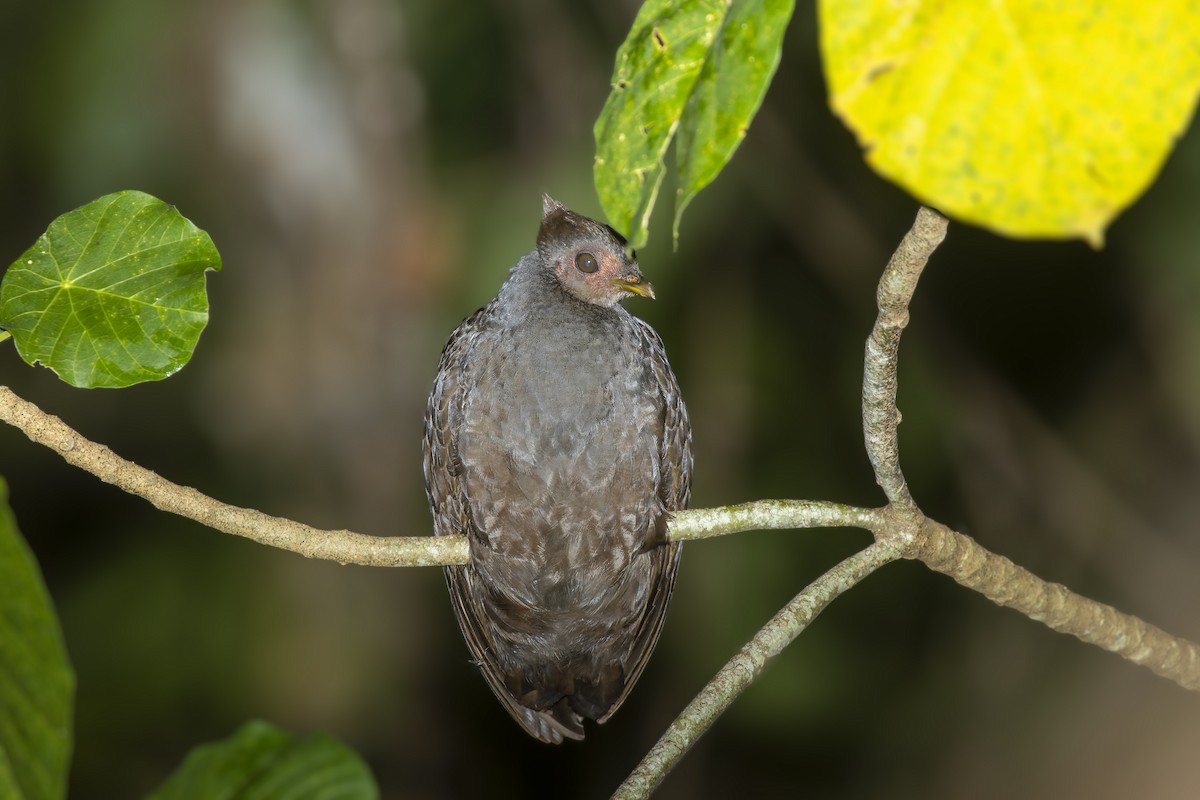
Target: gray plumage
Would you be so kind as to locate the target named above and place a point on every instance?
(556, 440)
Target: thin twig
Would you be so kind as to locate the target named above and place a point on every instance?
(761, 515)
(748, 664)
(881, 417)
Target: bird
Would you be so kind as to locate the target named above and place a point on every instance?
(557, 441)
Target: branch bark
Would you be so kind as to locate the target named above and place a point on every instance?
(1056, 606)
(345, 547)
(881, 415)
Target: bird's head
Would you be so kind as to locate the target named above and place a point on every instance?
(588, 258)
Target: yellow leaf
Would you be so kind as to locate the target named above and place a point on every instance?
(1031, 117)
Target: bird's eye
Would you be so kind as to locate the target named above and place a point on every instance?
(586, 262)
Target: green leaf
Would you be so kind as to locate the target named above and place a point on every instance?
(36, 682)
(263, 762)
(699, 67)
(1034, 119)
(728, 94)
(112, 293)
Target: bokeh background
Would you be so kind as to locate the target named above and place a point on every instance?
(369, 170)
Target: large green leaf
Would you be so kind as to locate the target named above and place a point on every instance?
(696, 67)
(1032, 118)
(263, 762)
(112, 293)
(36, 682)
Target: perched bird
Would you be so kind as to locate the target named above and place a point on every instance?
(556, 440)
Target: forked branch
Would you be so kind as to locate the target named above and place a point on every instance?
(959, 556)
(901, 530)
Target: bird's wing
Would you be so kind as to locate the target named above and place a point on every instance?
(451, 507)
(674, 490)
(675, 446)
(443, 419)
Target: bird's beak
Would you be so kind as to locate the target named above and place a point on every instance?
(636, 284)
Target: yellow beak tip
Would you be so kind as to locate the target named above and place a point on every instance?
(639, 287)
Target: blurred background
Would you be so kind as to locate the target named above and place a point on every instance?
(369, 170)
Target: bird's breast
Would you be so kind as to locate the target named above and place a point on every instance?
(560, 462)
(562, 394)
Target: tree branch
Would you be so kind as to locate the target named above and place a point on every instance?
(761, 515)
(959, 556)
(345, 547)
(901, 530)
(748, 664)
(881, 417)
(1006, 584)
